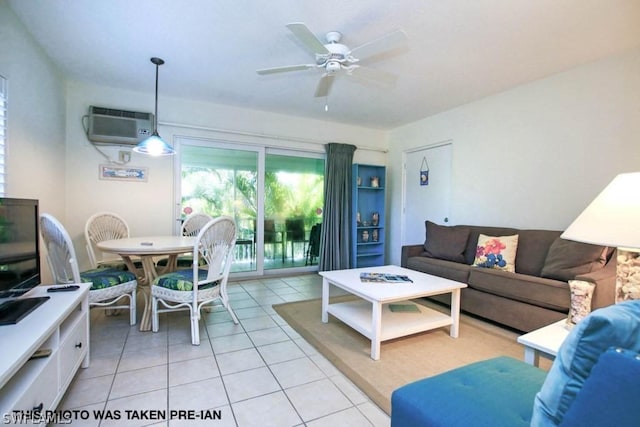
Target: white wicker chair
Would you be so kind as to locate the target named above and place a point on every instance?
(203, 284)
(100, 227)
(194, 223)
(110, 285)
(190, 227)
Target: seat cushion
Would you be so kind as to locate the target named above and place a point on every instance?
(617, 325)
(102, 278)
(492, 393)
(182, 280)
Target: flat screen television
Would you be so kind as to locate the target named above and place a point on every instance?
(19, 256)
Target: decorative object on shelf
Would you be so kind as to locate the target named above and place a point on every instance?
(359, 181)
(374, 235)
(365, 223)
(375, 181)
(375, 218)
(155, 145)
(424, 172)
(612, 220)
(365, 236)
(358, 221)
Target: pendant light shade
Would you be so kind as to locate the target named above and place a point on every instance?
(154, 145)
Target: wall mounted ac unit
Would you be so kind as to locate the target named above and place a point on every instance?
(108, 126)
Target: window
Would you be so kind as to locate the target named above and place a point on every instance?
(3, 132)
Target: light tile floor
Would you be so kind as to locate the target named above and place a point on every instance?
(257, 373)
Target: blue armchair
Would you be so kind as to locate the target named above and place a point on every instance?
(593, 381)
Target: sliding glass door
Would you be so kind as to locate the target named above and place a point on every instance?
(275, 197)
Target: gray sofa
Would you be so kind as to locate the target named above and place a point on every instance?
(536, 294)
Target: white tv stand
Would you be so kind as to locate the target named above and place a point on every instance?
(61, 324)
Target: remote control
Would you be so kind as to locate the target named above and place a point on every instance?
(68, 288)
(43, 352)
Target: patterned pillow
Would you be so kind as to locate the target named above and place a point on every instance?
(498, 252)
(182, 280)
(102, 278)
(581, 294)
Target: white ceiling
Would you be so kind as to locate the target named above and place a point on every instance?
(458, 50)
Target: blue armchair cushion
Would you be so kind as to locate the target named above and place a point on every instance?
(610, 395)
(492, 393)
(616, 325)
(102, 278)
(182, 280)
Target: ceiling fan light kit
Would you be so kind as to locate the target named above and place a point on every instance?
(334, 58)
(155, 145)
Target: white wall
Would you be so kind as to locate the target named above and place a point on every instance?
(148, 207)
(36, 126)
(536, 155)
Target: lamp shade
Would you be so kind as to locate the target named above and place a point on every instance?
(154, 146)
(613, 217)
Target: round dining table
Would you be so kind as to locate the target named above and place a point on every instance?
(148, 248)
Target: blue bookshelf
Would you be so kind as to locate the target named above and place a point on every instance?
(368, 216)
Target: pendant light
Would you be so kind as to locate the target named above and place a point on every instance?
(154, 145)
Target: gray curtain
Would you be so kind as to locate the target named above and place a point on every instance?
(335, 235)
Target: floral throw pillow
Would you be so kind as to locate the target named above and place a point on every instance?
(498, 252)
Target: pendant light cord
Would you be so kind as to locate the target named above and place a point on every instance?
(158, 62)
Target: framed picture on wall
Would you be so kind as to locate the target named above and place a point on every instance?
(123, 173)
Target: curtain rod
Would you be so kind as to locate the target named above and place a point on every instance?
(266, 136)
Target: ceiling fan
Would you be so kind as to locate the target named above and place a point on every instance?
(334, 58)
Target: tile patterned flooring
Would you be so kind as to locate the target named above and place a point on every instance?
(257, 373)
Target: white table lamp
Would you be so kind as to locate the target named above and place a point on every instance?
(613, 219)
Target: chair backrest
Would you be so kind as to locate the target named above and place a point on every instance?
(294, 228)
(61, 255)
(616, 325)
(100, 227)
(314, 239)
(215, 245)
(194, 223)
(270, 231)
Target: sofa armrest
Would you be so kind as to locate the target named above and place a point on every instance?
(605, 281)
(409, 251)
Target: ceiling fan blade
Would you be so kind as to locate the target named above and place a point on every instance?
(309, 39)
(285, 69)
(324, 85)
(373, 75)
(380, 45)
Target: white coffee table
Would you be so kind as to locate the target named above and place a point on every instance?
(543, 342)
(370, 315)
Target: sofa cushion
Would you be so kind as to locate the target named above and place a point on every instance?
(445, 242)
(492, 393)
(439, 267)
(616, 325)
(567, 258)
(533, 246)
(610, 393)
(498, 252)
(548, 293)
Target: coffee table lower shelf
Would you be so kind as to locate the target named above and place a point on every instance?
(359, 315)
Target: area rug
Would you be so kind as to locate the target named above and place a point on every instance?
(402, 360)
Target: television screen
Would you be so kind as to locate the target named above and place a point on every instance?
(19, 252)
